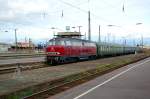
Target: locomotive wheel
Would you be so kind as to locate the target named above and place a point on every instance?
(92, 57)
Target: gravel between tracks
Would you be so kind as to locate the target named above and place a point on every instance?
(15, 81)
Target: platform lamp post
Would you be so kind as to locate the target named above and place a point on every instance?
(16, 40)
(4, 31)
(85, 35)
(53, 28)
(139, 23)
(124, 43)
(99, 32)
(74, 28)
(110, 25)
(79, 28)
(108, 34)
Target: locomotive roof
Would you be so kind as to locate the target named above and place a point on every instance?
(68, 38)
(99, 43)
(113, 44)
(69, 34)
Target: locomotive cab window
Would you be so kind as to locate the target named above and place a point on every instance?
(57, 42)
(51, 43)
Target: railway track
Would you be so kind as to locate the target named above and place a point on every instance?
(58, 84)
(76, 79)
(62, 86)
(21, 66)
(13, 56)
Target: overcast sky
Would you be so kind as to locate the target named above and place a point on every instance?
(35, 18)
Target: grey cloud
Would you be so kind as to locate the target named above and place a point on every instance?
(10, 14)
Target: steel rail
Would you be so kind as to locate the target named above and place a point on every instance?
(38, 94)
(24, 66)
(89, 76)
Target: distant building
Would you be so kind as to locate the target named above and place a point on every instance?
(146, 46)
(4, 47)
(23, 45)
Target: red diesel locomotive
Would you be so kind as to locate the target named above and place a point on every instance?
(61, 50)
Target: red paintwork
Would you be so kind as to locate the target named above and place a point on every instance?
(76, 51)
(55, 48)
(71, 51)
(58, 53)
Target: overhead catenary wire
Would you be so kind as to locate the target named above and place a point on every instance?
(84, 11)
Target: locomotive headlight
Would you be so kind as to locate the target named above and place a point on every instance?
(53, 53)
(57, 53)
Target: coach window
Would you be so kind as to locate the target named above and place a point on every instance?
(104, 48)
(101, 47)
(107, 48)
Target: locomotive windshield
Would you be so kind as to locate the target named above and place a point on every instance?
(56, 42)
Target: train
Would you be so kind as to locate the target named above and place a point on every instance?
(65, 49)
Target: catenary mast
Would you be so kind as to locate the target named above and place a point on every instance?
(89, 23)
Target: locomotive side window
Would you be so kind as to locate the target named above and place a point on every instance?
(82, 43)
(92, 44)
(76, 43)
(89, 44)
(73, 43)
(86, 44)
(79, 43)
(61, 43)
(68, 43)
